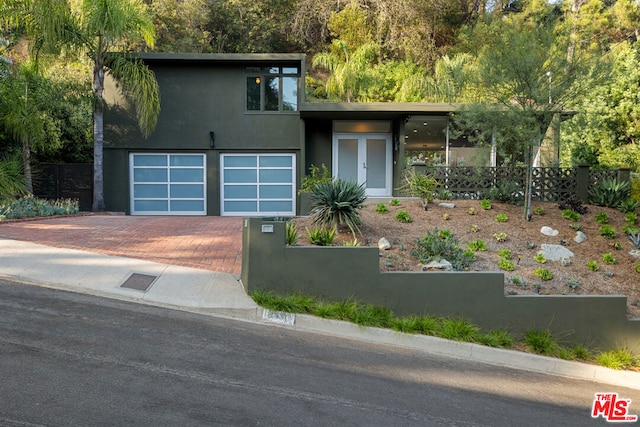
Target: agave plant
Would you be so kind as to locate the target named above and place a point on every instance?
(610, 193)
(635, 239)
(336, 204)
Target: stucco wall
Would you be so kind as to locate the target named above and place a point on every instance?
(196, 98)
(338, 273)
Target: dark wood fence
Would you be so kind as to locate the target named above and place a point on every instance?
(65, 181)
(549, 184)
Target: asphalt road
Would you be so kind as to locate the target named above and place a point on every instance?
(75, 360)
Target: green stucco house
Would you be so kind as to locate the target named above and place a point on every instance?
(235, 135)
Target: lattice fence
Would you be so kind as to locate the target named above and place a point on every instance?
(549, 184)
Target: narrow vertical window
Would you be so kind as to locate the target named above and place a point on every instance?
(253, 93)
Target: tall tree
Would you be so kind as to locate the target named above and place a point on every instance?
(524, 73)
(102, 30)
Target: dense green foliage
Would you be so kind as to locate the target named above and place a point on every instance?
(515, 64)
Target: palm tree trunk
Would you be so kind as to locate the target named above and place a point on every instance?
(98, 137)
(26, 157)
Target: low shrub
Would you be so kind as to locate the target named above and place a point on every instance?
(433, 246)
(608, 258)
(541, 342)
(472, 211)
(501, 217)
(291, 233)
(543, 273)
(382, 208)
(506, 265)
(504, 253)
(620, 358)
(322, 236)
(601, 218)
(631, 218)
(607, 231)
(477, 245)
(403, 216)
(31, 207)
(394, 202)
(500, 236)
(571, 215)
(446, 216)
(485, 204)
(540, 258)
(593, 265)
(538, 210)
(574, 203)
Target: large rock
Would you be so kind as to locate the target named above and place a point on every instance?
(580, 237)
(555, 252)
(442, 265)
(548, 231)
(383, 244)
(447, 205)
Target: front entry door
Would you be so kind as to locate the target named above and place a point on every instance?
(364, 158)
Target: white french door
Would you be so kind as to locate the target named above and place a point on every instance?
(364, 158)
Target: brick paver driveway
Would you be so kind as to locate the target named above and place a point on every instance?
(206, 242)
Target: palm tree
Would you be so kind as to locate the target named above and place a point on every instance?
(101, 30)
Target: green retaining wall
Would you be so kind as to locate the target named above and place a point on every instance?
(338, 273)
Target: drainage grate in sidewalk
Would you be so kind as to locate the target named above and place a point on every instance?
(139, 282)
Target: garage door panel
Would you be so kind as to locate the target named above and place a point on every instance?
(187, 191)
(150, 175)
(258, 184)
(237, 207)
(280, 206)
(149, 160)
(187, 205)
(151, 205)
(185, 160)
(240, 176)
(168, 184)
(145, 191)
(275, 191)
(186, 175)
(240, 191)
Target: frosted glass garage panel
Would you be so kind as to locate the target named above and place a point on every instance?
(151, 205)
(187, 205)
(149, 175)
(276, 206)
(150, 191)
(237, 207)
(186, 175)
(275, 191)
(275, 175)
(240, 161)
(275, 161)
(186, 160)
(240, 191)
(240, 176)
(187, 191)
(149, 160)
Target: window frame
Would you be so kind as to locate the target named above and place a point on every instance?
(261, 74)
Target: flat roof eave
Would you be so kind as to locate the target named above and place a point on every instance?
(373, 109)
(221, 57)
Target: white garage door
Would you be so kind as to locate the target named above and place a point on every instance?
(168, 184)
(258, 184)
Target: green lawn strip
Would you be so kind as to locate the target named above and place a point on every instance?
(456, 329)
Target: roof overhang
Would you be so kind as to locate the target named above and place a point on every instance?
(222, 58)
(373, 110)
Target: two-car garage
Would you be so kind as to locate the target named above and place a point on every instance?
(253, 184)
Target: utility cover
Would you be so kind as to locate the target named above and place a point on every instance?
(139, 282)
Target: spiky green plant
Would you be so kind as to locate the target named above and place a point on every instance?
(337, 203)
(291, 232)
(610, 193)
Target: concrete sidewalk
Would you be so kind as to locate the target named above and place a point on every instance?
(222, 294)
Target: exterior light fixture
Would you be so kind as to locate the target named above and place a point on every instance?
(212, 139)
(258, 80)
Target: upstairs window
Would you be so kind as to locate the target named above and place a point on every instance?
(272, 88)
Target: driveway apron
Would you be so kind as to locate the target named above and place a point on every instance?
(204, 242)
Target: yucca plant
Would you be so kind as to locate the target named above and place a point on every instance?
(336, 204)
(635, 239)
